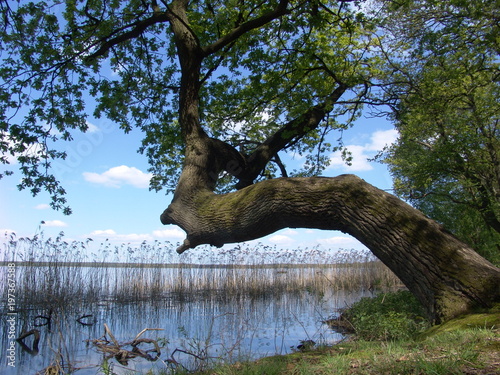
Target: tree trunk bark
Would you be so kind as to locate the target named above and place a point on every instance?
(447, 276)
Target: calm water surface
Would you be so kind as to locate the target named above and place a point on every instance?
(234, 329)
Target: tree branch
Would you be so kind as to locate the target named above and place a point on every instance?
(438, 268)
(137, 29)
(294, 129)
(234, 34)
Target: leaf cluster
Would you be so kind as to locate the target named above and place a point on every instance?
(446, 89)
(64, 60)
(273, 76)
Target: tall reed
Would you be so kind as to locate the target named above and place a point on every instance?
(54, 272)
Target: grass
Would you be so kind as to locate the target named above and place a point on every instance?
(466, 345)
(386, 317)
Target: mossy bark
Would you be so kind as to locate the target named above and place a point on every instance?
(447, 276)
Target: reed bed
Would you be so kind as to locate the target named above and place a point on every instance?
(55, 272)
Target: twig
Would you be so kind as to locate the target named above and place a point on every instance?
(108, 331)
(186, 352)
(147, 329)
(122, 355)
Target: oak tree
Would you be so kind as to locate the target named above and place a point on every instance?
(220, 89)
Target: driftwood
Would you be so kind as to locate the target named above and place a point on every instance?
(112, 348)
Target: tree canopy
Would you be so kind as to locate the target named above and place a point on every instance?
(264, 65)
(446, 161)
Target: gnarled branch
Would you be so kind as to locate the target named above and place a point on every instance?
(439, 269)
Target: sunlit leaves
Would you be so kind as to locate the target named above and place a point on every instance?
(446, 159)
(291, 65)
(46, 76)
(62, 61)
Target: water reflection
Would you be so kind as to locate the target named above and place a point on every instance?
(209, 328)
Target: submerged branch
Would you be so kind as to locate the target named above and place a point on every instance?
(122, 355)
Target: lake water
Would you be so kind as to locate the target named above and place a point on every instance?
(200, 327)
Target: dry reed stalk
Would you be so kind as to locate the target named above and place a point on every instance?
(59, 281)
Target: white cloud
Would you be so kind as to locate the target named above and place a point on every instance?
(133, 237)
(54, 223)
(359, 162)
(170, 233)
(280, 239)
(382, 138)
(174, 234)
(118, 176)
(340, 241)
(112, 236)
(106, 232)
(43, 206)
(91, 128)
(361, 153)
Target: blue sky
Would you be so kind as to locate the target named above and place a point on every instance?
(107, 188)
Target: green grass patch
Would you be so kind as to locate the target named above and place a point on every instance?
(465, 345)
(472, 351)
(388, 316)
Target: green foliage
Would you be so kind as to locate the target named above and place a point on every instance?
(58, 54)
(389, 316)
(446, 159)
(446, 110)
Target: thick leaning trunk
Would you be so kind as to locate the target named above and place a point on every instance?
(447, 276)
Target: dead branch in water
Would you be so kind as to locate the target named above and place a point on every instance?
(114, 349)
